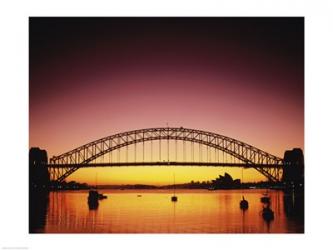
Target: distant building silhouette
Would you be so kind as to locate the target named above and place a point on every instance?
(225, 182)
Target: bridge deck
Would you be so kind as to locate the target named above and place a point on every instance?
(165, 163)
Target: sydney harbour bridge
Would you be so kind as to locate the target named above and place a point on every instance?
(169, 146)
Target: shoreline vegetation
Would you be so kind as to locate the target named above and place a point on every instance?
(84, 186)
(221, 182)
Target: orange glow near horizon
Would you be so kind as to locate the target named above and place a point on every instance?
(158, 175)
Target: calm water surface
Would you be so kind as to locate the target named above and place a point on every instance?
(197, 211)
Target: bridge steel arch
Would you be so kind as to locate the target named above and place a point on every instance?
(240, 150)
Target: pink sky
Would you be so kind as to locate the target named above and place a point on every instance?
(219, 81)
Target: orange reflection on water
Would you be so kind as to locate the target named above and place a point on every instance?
(197, 211)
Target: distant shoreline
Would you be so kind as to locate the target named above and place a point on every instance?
(222, 183)
(169, 187)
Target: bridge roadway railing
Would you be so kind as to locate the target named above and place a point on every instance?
(164, 163)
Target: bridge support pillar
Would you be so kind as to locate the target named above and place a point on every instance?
(39, 176)
(293, 169)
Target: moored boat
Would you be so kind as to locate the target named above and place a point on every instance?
(94, 196)
(93, 199)
(244, 204)
(265, 198)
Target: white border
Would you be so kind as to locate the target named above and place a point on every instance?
(14, 121)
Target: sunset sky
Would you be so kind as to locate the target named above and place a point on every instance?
(94, 77)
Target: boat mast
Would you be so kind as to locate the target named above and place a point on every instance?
(96, 180)
(174, 184)
(242, 181)
(242, 186)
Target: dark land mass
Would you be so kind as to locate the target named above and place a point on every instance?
(221, 182)
(195, 185)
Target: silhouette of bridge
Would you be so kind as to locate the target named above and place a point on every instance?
(196, 150)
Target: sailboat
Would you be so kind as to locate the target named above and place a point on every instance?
(94, 196)
(174, 198)
(244, 204)
(267, 212)
(265, 198)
